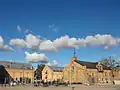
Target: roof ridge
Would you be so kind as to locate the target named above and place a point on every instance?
(14, 62)
(87, 61)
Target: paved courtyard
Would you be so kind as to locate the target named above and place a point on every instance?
(80, 87)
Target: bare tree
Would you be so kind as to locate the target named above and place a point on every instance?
(111, 63)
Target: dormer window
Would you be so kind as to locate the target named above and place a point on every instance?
(99, 67)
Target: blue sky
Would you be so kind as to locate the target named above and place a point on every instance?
(75, 18)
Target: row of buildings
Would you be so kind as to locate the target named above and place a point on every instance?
(80, 72)
(76, 71)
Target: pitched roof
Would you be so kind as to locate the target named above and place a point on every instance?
(15, 65)
(90, 65)
(3, 72)
(56, 69)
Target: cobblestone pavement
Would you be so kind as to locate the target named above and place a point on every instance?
(77, 87)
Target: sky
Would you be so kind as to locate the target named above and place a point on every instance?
(48, 30)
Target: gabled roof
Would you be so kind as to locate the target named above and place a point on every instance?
(56, 69)
(90, 65)
(3, 72)
(16, 65)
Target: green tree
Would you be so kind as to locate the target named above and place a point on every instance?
(38, 71)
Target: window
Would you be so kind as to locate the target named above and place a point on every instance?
(105, 73)
(109, 73)
(92, 74)
(102, 79)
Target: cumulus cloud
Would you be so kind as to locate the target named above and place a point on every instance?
(33, 42)
(7, 48)
(19, 43)
(48, 46)
(61, 42)
(4, 47)
(1, 42)
(107, 40)
(76, 43)
(36, 57)
(67, 42)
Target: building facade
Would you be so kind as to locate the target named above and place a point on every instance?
(52, 73)
(86, 72)
(19, 72)
(81, 72)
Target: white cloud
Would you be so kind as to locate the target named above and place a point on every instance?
(1, 42)
(67, 42)
(76, 43)
(18, 28)
(7, 48)
(4, 47)
(61, 42)
(48, 46)
(32, 41)
(19, 43)
(91, 40)
(55, 63)
(107, 40)
(36, 57)
(49, 64)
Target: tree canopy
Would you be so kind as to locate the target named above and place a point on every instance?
(38, 71)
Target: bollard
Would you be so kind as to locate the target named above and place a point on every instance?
(73, 88)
